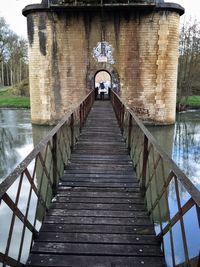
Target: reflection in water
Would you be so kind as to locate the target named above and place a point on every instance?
(16, 138)
(16, 141)
(187, 145)
(182, 143)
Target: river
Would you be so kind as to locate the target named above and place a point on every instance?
(181, 141)
(16, 138)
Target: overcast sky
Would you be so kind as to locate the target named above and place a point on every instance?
(11, 11)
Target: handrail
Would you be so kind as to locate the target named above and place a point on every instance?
(33, 184)
(157, 173)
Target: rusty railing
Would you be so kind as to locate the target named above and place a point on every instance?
(26, 193)
(171, 198)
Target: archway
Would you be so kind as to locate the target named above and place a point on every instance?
(102, 84)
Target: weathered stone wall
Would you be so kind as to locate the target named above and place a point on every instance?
(62, 64)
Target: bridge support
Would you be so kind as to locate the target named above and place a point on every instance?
(136, 42)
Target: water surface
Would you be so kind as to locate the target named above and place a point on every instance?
(17, 136)
(182, 142)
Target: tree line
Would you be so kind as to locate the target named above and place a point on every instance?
(13, 56)
(189, 59)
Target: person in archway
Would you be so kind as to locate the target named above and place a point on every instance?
(102, 90)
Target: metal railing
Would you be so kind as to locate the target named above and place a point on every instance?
(98, 2)
(26, 193)
(170, 196)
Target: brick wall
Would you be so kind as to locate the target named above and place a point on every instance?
(62, 65)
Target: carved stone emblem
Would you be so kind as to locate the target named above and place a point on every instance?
(103, 52)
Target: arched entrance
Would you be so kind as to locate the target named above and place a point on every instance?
(102, 84)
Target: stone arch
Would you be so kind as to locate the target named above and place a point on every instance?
(101, 71)
(115, 78)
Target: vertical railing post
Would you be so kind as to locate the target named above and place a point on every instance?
(54, 159)
(80, 115)
(144, 165)
(129, 133)
(109, 93)
(72, 130)
(96, 93)
(122, 118)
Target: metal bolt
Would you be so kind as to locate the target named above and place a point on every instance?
(140, 250)
(142, 262)
(137, 238)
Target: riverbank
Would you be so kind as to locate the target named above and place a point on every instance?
(9, 100)
(188, 102)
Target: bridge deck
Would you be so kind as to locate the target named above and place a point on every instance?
(99, 218)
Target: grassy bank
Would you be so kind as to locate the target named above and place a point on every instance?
(190, 100)
(8, 100)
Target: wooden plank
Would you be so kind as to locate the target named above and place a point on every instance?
(101, 145)
(97, 213)
(100, 162)
(105, 189)
(98, 206)
(103, 137)
(97, 238)
(97, 220)
(106, 159)
(70, 178)
(102, 175)
(101, 180)
(100, 185)
(101, 151)
(100, 165)
(107, 200)
(97, 249)
(108, 229)
(120, 158)
(93, 261)
(94, 194)
(97, 171)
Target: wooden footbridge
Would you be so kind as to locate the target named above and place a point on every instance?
(95, 189)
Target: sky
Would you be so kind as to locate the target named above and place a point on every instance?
(11, 10)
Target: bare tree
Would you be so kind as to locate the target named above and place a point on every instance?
(13, 56)
(189, 58)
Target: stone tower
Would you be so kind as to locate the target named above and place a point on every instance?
(135, 41)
